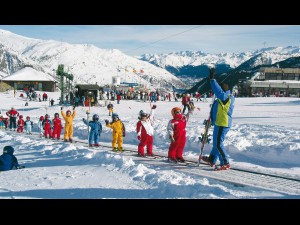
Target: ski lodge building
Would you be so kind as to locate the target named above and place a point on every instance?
(277, 82)
(28, 77)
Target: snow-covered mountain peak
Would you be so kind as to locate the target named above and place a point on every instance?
(88, 63)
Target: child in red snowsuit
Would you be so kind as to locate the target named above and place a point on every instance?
(20, 124)
(145, 132)
(177, 134)
(47, 126)
(57, 126)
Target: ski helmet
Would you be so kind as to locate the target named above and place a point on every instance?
(8, 149)
(115, 115)
(56, 114)
(27, 117)
(95, 117)
(142, 114)
(175, 109)
(20, 116)
(41, 118)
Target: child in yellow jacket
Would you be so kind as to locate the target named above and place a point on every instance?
(68, 123)
(118, 132)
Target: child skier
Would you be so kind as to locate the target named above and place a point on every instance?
(20, 124)
(28, 125)
(8, 161)
(47, 126)
(5, 120)
(145, 132)
(57, 127)
(40, 126)
(2, 124)
(177, 134)
(68, 123)
(110, 108)
(95, 132)
(118, 132)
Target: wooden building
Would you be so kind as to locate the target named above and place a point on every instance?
(28, 77)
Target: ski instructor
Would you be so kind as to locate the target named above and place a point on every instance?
(221, 112)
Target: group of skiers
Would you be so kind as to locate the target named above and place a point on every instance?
(221, 112)
(48, 128)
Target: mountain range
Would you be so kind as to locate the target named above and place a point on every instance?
(90, 64)
(87, 63)
(194, 66)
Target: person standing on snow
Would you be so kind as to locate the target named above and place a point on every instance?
(118, 132)
(177, 133)
(21, 123)
(8, 161)
(185, 102)
(57, 127)
(28, 125)
(68, 123)
(145, 131)
(110, 108)
(47, 126)
(40, 126)
(12, 114)
(221, 117)
(95, 132)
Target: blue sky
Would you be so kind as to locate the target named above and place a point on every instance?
(139, 39)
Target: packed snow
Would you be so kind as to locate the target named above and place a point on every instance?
(265, 135)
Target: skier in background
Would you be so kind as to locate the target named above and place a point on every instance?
(110, 108)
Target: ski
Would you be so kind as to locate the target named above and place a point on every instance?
(205, 136)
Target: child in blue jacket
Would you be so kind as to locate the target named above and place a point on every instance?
(95, 132)
(8, 161)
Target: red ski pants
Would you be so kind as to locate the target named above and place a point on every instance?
(146, 140)
(56, 132)
(176, 147)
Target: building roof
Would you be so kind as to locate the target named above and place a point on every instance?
(280, 70)
(28, 74)
(88, 86)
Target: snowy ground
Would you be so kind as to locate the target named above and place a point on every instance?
(265, 135)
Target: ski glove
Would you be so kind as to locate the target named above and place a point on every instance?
(211, 73)
(139, 138)
(61, 108)
(106, 121)
(154, 107)
(74, 107)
